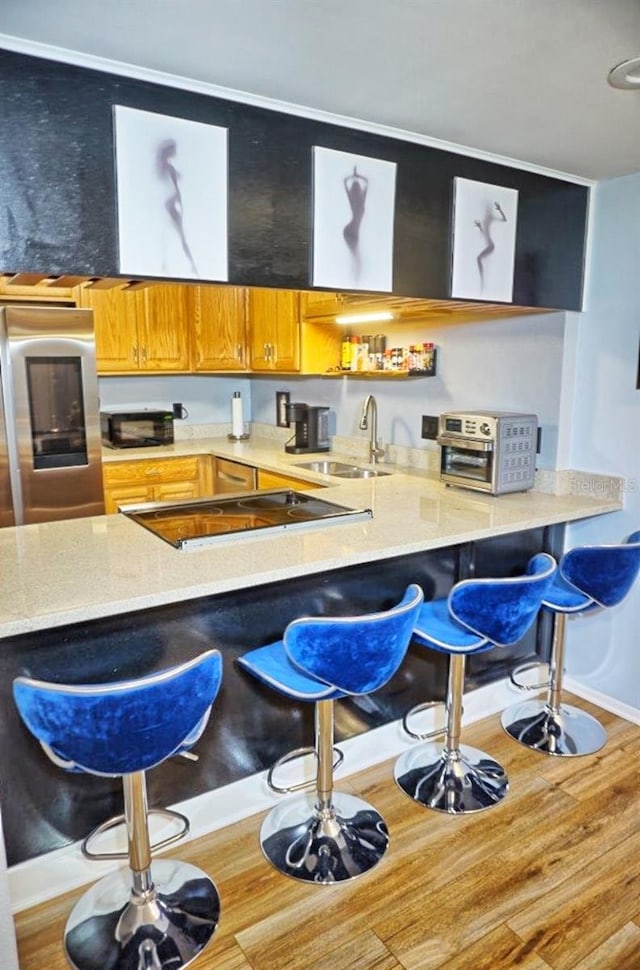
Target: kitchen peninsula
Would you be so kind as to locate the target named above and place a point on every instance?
(102, 598)
(83, 569)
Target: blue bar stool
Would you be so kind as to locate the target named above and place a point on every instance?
(329, 837)
(477, 615)
(589, 578)
(154, 916)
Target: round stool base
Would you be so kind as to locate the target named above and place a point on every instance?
(326, 846)
(109, 930)
(457, 782)
(566, 733)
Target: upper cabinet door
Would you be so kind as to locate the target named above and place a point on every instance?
(319, 304)
(273, 319)
(116, 315)
(143, 330)
(218, 315)
(164, 331)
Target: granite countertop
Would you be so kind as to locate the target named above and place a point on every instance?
(58, 573)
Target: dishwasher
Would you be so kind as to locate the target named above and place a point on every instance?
(233, 476)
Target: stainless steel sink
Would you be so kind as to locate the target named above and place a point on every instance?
(362, 473)
(341, 469)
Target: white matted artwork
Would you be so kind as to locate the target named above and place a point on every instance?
(353, 216)
(484, 240)
(171, 177)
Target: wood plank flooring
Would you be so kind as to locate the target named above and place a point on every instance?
(548, 880)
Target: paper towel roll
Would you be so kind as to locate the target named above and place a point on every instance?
(237, 417)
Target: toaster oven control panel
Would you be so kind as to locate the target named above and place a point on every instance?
(469, 426)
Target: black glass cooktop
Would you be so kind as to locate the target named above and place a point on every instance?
(203, 521)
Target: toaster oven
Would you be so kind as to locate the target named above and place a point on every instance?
(490, 451)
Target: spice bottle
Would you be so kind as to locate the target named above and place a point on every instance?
(345, 352)
(355, 353)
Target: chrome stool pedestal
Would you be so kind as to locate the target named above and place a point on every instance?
(453, 778)
(324, 837)
(549, 725)
(154, 915)
(164, 926)
(565, 731)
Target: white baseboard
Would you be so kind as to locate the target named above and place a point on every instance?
(36, 880)
(605, 701)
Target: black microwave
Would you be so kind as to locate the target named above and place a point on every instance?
(136, 429)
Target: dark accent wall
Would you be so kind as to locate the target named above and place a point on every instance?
(57, 188)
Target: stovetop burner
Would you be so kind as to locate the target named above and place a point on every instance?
(203, 521)
(277, 500)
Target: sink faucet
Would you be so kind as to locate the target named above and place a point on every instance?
(370, 405)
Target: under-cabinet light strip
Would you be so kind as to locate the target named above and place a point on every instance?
(364, 317)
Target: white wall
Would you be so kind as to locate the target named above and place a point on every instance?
(604, 650)
(508, 364)
(207, 399)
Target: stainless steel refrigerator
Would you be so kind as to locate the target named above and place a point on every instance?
(50, 458)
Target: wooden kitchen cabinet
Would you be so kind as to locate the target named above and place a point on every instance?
(140, 330)
(219, 328)
(115, 320)
(280, 339)
(155, 480)
(317, 304)
(273, 322)
(165, 329)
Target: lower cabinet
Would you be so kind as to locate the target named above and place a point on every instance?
(138, 480)
(155, 480)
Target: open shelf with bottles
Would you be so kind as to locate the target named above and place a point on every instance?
(371, 355)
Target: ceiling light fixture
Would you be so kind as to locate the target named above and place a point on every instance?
(372, 317)
(626, 74)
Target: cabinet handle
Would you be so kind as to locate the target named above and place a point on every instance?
(239, 355)
(274, 353)
(134, 354)
(144, 355)
(152, 472)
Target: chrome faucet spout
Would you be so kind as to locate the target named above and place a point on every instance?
(370, 410)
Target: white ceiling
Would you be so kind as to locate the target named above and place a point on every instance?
(523, 79)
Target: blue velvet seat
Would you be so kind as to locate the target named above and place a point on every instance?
(478, 614)
(329, 837)
(159, 914)
(589, 578)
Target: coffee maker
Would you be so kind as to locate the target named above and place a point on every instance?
(311, 429)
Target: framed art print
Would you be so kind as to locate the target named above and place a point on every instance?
(484, 241)
(171, 180)
(353, 218)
